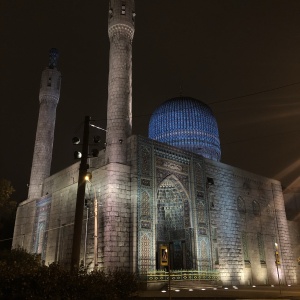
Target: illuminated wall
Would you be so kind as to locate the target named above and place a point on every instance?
(217, 217)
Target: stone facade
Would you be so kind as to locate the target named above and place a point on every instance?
(215, 216)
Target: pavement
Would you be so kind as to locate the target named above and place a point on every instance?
(223, 292)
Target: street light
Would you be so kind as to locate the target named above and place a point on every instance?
(277, 262)
(80, 197)
(87, 178)
(81, 190)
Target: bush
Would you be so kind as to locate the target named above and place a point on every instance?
(22, 276)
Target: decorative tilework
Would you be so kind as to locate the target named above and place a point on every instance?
(145, 255)
(145, 161)
(146, 182)
(188, 124)
(41, 224)
(145, 206)
(202, 213)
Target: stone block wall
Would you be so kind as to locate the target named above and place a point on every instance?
(24, 224)
(249, 214)
(294, 230)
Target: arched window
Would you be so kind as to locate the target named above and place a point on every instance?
(241, 205)
(256, 208)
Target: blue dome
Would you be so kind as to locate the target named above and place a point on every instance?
(188, 124)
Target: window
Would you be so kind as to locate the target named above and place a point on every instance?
(256, 208)
(123, 10)
(241, 205)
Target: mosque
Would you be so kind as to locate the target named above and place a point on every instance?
(153, 203)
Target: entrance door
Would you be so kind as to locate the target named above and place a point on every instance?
(173, 224)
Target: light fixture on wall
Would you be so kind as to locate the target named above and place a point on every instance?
(210, 181)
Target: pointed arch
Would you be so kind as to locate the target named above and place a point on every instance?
(241, 205)
(174, 221)
(171, 197)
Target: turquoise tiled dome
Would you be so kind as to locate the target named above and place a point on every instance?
(188, 124)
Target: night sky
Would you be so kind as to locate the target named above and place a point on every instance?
(240, 57)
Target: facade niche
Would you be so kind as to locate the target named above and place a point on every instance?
(241, 205)
(256, 208)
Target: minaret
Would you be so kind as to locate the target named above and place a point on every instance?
(42, 155)
(119, 107)
(116, 190)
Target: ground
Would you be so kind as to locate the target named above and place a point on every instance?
(220, 292)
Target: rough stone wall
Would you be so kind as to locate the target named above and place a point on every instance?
(249, 215)
(24, 224)
(132, 160)
(226, 221)
(116, 216)
(294, 230)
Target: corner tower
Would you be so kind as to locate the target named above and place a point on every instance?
(119, 107)
(42, 155)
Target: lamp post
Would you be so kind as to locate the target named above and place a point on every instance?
(169, 277)
(80, 198)
(277, 262)
(81, 189)
(86, 229)
(87, 178)
(95, 231)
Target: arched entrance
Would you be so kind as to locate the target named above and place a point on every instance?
(173, 224)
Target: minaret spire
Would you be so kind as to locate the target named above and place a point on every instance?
(42, 155)
(121, 19)
(117, 201)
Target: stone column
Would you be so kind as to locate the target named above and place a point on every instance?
(42, 155)
(117, 208)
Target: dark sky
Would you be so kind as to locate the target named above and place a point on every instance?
(218, 51)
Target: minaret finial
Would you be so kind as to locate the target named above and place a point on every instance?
(180, 90)
(53, 57)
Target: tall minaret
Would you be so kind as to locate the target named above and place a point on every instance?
(119, 108)
(116, 190)
(42, 155)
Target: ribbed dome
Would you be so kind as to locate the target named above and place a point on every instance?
(188, 124)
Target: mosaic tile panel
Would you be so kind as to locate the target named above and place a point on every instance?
(202, 215)
(145, 224)
(41, 224)
(145, 257)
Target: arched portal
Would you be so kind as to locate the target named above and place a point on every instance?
(174, 224)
